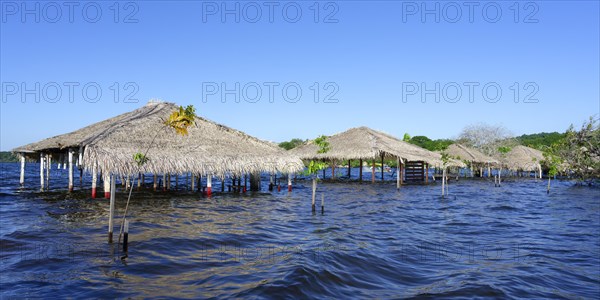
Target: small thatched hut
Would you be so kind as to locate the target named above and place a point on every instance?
(522, 158)
(364, 143)
(209, 148)
(475, 158)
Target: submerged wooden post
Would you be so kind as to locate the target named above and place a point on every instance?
(107, 180)
(401, 173)
(290, 182)
(94, 179)
(223, 183)
(349, 169)
(79, 164)
(155, 182)
(426, 173)
(192, 183)
(208, 185)
(382, 167)
(271, 182)
(42, 163)
(373, 172)
(489, 173)
(126, 236)
(111, 210)
(70, 170)
(22, 177)
(255, 181)
(360, 170)
(398, 174)
(443, 181)
(164, 182)
(332, 169)
(314, 191)
(48, 166)
(322, 203)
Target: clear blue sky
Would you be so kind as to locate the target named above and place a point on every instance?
(373, 48)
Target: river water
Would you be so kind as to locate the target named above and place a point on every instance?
(513, 241)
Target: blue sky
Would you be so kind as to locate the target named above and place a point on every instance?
(369, 56)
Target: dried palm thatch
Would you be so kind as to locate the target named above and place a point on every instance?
(209, 148)
(366, 143)
(522, 158)
(469, 154)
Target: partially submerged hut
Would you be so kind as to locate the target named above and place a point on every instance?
(364, 143)
(209, 149)
(473, 157)
(522, 158)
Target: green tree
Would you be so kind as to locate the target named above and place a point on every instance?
(291, 144)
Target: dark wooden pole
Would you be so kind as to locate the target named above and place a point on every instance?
(381, 166)
(349, 169)
(360, 170)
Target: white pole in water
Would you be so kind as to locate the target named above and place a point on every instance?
(208, 185)
(42, 171)
(314, 190)
(22, 177)
(290, 182)
(48, 166)
(398, 174)
(70, 170)
(111, 211)
(443, 181)
(107, 180)
(94, 179)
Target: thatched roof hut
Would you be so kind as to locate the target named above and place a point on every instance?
(209, 148)
(366, 143)
(470, 155)
(522, 158)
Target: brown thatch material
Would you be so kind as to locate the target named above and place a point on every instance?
(522, 158)
(209, 148)
(469, 155)
(366, 143)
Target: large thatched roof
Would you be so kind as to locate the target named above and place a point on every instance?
(366, 143)
(469, 154)
(522, 158)
(209, 148)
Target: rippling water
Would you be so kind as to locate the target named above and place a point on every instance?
(372, 241)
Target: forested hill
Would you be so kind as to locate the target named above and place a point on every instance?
(6, 156)
(539, 140)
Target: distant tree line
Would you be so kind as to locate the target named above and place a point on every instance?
(6, 156)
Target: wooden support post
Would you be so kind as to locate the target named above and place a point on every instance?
(255, 181)
(22, 175)
(223, 184)
(322, 203)
(155, 182)
(314, 191)
(70, 170)
(426, 173)
(111, 210)
(349, 169)
(140, 179)
(401, 173)
(489, 172)
(80, 166)
(94, 179)
(107, 181)
(398, 173)
(164, 182)
(323, 173)
(360, 170)
(48, 166)
(42, 163)
(208, 185)
(443, 182)
(192, 182)
(373, 172)
(381, 167)
(289, 182)
(126, 236)
(271, 182)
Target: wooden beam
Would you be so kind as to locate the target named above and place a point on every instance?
(360, 170)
